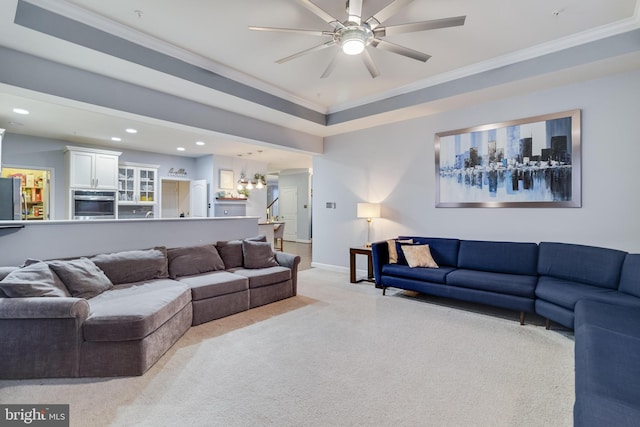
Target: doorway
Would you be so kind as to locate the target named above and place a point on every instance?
(183, 198)
(36, 189)
(174, 199)
(289, 212)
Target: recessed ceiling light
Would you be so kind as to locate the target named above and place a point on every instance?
(180, 148)
(199, 143)
(131, 130)
(20, 111)
(115, 138)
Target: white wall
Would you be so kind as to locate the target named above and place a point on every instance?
(256, 204)
(394, 165)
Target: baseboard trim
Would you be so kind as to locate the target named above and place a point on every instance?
(330, 267)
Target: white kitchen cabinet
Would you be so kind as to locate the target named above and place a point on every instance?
(137, 184)
(89, 168)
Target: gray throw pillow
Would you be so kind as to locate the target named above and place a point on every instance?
(33, 280)
(193, 260)
(258, 254)
(134, 266)
(231, 253)
(4, 271)
(82, 277)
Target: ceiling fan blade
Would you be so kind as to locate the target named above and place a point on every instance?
(354, 10)
(335, 23)
(304, 52)
(419, 26)
(331, 66)
(400, 50)
(386, 13)
(371, 66)
(293, 30)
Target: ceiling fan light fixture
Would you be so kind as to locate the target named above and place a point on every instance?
(354, 35)
(353, 40)
(353, 46)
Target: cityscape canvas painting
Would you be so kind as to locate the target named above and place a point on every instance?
(533, 162)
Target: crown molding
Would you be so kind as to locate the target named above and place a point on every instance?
(567, 42)
(92, 19)
(72, 11)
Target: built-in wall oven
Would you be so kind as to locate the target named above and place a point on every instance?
(92, 204)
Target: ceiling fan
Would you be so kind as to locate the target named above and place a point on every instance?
(353, 35)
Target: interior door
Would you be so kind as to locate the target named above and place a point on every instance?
(170, 200)
(198, 199)
(289, 212)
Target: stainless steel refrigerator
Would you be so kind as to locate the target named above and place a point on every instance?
(10, 199)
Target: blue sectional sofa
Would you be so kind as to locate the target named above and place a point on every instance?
(546, 278)
(568, 273)
(607, 356)
(595, 291)
(501, 274)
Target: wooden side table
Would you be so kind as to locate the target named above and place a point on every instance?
(352, 263)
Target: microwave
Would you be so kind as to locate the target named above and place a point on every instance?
(93, 204)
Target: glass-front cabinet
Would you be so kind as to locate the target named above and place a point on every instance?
(137, 184)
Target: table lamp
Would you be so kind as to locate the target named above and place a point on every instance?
(368, 211)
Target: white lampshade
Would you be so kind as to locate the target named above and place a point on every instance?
(368, 210)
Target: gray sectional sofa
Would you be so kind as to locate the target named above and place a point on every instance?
(595, 291)
(116, 314)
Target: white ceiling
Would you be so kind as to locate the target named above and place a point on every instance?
(213, 34)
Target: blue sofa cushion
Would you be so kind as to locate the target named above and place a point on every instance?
(607, 363)
(510, 284)
(592, 410)
(630, 276)
(434, 275)
(499, 257)
(444, 251)
(566, 294)
(586, 264)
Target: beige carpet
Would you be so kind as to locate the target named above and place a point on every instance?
(338, 354)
